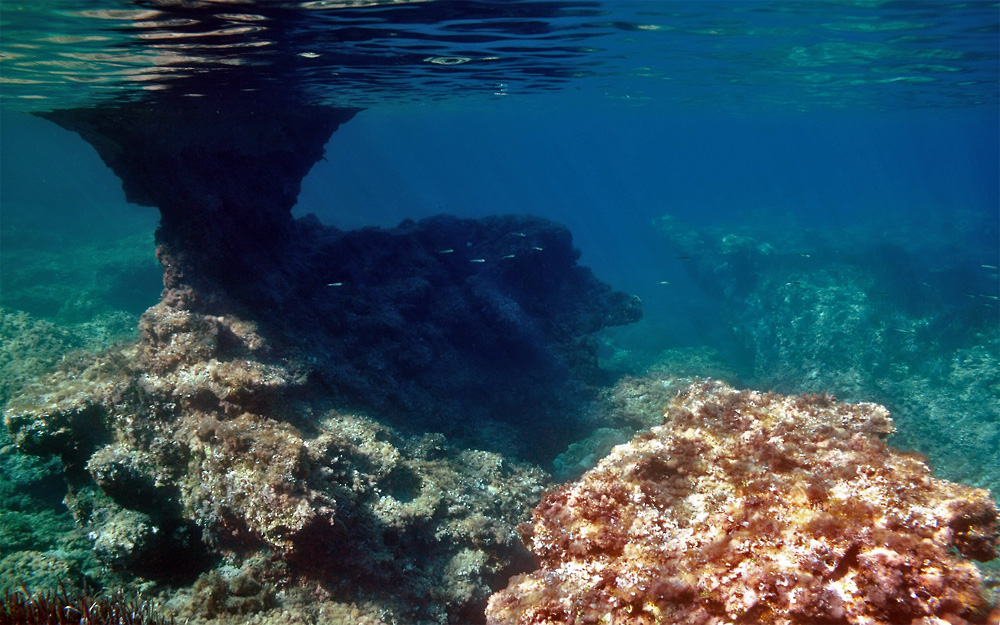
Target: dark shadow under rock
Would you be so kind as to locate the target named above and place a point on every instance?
(441, 324)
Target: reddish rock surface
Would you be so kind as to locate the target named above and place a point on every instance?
(745, 507)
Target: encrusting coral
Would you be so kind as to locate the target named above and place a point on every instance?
(748, 507)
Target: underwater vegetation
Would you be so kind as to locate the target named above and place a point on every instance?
(755, 507)
(62, 608)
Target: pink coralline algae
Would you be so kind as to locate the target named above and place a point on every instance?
(747, 507)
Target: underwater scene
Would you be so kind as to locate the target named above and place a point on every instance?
(506, 312)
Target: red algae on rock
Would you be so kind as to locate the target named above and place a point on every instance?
(747, 507)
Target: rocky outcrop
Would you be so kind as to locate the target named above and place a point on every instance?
(347, 412)
(754, 507)
(430, 324)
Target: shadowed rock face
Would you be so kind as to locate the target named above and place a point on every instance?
(450, 323)
(442, 325)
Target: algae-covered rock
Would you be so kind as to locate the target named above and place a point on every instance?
(38, 570)
(583, 455)
(756, 507)
(40, 546)
(947, 407)
(93, 284)
(155, 546)
(344, 412)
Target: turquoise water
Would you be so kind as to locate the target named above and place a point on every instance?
(804, 195)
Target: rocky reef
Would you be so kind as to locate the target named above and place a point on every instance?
(313, 421)
(214, 462)
(210, 439)
(755, 507)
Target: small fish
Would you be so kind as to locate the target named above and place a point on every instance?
(993, 297)
(664, 282)
(882, 293)
(683, 258)
(335, 284)
(993, 267)
(519, 234)
(447, 251)
(905, 331)
(971, 295)
(478, 260)
(793, 283)
(537, 248)
(508, 256)
(806, 255)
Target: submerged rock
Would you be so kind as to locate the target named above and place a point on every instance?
(184, 473)
(429, 324)
(224, 171)
(753, 507)
(343, 412)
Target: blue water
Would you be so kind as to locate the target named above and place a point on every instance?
(606, 170)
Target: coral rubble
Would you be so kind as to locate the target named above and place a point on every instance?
(746, 507)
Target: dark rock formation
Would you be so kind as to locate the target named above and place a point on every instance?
(224, 171)
(444, 325)
(223, 432)
(450, 322)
